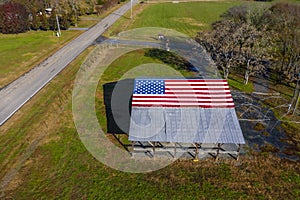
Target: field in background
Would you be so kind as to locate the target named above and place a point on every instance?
(188, 18)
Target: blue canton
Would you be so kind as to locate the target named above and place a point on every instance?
(149, 87)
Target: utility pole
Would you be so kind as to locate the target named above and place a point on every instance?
(130, 9)
(58, 26)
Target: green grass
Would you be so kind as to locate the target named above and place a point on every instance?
(61, 168)
(188, 18)
(20, 52)
(128, 61)
(236, 82)
(87, 23)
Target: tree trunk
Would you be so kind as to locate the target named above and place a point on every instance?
(226, 73)
(226, 70)
(246, 77)
(247, 74)
(296, 97)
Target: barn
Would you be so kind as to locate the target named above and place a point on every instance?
(183, 115)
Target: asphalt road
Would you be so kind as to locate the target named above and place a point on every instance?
(16, 94)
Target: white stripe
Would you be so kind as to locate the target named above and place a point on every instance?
(206, 87)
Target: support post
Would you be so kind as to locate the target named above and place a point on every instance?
(132, 153)
(175, 150)
(130, 9)
(218, 151)
(154, 149)
(238, 152)
(196, 153)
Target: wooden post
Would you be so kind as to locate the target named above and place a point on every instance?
(196, 153)
(132, 145)
(238, 152)
(175, 150)
(218, 151)
(154, 149)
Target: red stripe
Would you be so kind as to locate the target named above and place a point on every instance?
(180, 106)
(187, 88)
(182, 101)
(194, 84)
(191, 93)
(195, 80)
(196, 89)
(182, 97)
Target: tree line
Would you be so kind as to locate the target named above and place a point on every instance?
(19, 16)
(253, 40)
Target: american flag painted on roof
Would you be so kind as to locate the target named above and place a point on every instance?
(204, 93)
(184, 110)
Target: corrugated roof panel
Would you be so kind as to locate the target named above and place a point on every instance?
(186, 125)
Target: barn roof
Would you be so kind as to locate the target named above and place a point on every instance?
(184, 110)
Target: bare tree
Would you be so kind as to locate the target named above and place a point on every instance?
(284, 23)
(235, 41)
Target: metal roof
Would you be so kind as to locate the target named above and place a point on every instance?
(199, 117)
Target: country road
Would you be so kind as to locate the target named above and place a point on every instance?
(17, 93)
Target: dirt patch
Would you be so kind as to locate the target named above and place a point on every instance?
(187, 20)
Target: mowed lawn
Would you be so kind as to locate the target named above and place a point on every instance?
(188, 18)
(20, 52)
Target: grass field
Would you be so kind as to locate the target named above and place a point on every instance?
(42, 157)
(41, 144)
(20, 52)
(188, 18)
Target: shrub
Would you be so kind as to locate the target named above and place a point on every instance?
(14, 18)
